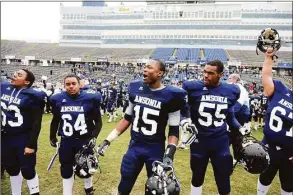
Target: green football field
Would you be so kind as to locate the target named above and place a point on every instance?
(106, 182)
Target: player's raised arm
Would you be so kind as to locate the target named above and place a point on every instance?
(267, 75)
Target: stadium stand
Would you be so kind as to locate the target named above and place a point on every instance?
(182, 54)
(213, 54)
(162, 53)
(249, 58)
(20, 49)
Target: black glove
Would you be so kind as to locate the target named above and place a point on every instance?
(167, 161)
(101, 149)
(53, 142)
(169, 155)
(91, 142)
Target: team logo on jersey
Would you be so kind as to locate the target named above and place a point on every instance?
(140, 88)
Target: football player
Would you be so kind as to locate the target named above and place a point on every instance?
(111, 103)
(151, 106)
(77, 118)
(210, 106)
(241, 108)
(263, 108)
(278, 131)
(104, 92)
(120, 94)
(255, 101)
(125, 100)
(99, 87)
(22, 110)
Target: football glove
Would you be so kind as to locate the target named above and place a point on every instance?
(101, 149)
(189, 127)
(169, 155)
(247, 125)
(53, 142)
(244, 130)
(167, 161)
(91, 142)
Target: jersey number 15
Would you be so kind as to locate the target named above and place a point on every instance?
(146, 112)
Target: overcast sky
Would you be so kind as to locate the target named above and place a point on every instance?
(35, 21)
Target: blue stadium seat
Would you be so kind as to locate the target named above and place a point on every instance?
(163, 53)
(216, 54)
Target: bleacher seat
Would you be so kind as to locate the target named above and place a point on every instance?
(215, 54)
(162, 53)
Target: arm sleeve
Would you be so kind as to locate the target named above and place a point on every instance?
(185, 111)
(55, 120)
(237, 106)
(37, 115)
(174, 121)
(54, 126)
(231, 120)
(97, 118)
(129, 112)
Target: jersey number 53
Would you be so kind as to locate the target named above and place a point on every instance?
(17, 115)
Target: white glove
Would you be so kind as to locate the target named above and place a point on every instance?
(247, 125)
(244, 130)
(187, 126)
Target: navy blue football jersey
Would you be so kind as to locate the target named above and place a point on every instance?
(125, 94)
(16, 105)
(76, 115)
(104, 92)
(112, 94)
(264, 101)
(210, 106)
(151, 109)
(120, 92)
(279, 117)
